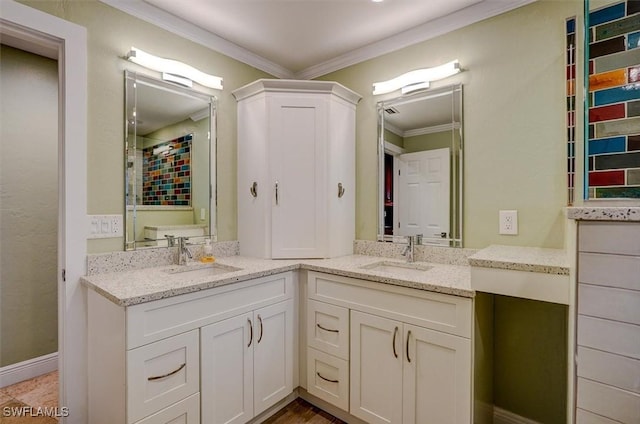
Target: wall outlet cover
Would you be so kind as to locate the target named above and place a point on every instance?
(508, 222)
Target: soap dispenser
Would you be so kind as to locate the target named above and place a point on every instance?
(208, 251)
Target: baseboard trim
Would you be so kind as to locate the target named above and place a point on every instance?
(501, 416)
(28, 369)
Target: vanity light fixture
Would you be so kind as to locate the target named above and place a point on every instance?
(173, 70)
(418, 79)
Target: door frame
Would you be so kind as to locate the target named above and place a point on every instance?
(38, 32)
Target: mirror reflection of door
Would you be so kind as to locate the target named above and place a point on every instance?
(423, 183)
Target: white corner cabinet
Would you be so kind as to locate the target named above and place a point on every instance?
(296, 169)
(222, 355)
(608, 323)
(388, 354)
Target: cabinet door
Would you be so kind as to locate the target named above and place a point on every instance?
(376, 369)
(273, 354)
(297, 132)
(436, 377)
(227, 370)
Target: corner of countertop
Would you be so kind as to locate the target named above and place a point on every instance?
(519, 258)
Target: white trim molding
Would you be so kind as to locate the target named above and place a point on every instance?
(25, 370)
(178, 26)
(479, 11)
(502, 416)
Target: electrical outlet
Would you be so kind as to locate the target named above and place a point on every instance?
(508, 222)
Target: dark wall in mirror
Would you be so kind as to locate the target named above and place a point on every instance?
(170, 162)
(420, 143)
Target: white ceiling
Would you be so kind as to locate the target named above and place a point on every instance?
(308, 38)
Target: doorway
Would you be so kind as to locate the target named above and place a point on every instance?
(28, 213)
(34, 31)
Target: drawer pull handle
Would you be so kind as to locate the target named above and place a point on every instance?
(327, 379)
(408, 337)
(261, 328)
(395, 333)
(327, 329)
(250, 332)
(158, 377)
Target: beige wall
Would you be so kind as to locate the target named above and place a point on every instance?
(110, 35)
(29, 206)
(514, 121)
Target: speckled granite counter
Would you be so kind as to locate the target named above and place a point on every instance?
(532, 259)
(604, 213)
(143, 285)
(525, 272)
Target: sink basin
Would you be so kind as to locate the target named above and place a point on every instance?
(201, 270)
(398, 269)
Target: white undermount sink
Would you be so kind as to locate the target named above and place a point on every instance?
(201, 270)
(399, 269)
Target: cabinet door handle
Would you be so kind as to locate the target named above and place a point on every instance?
(327, 379)
(408, 337)
(158, 377)
(277, 197)
(327, 329)
(250, 332)
(261, 328)
(395, 333)
(340, 190)
(254, 189)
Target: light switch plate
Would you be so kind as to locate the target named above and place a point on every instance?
(105, 226)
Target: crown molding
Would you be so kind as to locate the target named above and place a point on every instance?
(432, 130)
(178, 26)
(467, 16)
(392, 128)
(470, 15)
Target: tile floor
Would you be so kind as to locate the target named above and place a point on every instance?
(39, 392)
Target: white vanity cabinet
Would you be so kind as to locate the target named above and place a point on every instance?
(296, 169)
(410, 351)
(177, 359)
(247, 364)
(608, 323)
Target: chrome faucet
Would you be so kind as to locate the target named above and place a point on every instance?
(183, 251)
(411, 243)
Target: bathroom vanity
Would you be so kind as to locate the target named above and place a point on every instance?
(235, 342)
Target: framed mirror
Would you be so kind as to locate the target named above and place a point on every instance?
(169, 162)
(420, 146)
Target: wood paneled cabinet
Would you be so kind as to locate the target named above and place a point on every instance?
(222, 355)
(296, 169)
(247, 364)
(408, 351)
(402, 373)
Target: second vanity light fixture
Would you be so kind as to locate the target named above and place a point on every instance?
(418, 79)
(173, 70)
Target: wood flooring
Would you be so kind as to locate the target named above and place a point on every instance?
(300, 412)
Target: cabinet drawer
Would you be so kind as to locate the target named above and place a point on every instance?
(611, 237)
(446, 313)
(328, 378)
(610, 303)
(186, 411)
(609, 270)
(609, 336)
(614, 370)
(328, 328)
(586, 417)
(607, 401)
(157, 320)
(162, 373)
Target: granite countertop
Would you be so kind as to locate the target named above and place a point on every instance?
(532, 259)
(605, 212)
(144, 285)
